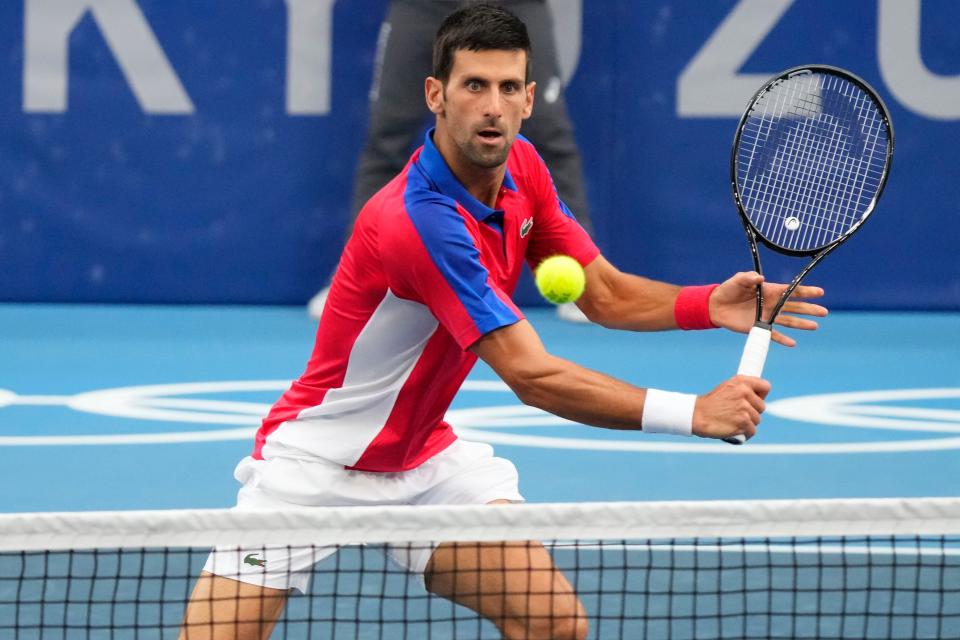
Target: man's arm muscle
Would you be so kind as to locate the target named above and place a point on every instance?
(619, 300)
(556, 385)
(570, 391)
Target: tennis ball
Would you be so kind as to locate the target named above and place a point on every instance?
(560, 279)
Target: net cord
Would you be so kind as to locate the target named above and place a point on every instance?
(398, 524)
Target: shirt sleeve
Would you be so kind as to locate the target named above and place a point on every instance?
(431, 257)
(555, 230)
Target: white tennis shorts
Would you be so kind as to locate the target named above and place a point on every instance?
(463, 473)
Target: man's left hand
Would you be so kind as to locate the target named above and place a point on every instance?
(733, 306)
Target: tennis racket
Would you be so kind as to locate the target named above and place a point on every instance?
(810, 159)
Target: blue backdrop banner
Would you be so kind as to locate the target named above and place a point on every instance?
(176, 151)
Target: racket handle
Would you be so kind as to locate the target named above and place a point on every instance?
(752, 361)
(755, 351)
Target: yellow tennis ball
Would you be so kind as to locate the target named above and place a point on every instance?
(560, 279)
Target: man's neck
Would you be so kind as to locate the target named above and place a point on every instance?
(482, 184)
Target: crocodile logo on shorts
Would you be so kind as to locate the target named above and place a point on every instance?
(254, 561)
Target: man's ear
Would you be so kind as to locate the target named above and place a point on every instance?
(433, 93)
(530, 89)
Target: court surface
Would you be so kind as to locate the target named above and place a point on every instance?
(150, 407)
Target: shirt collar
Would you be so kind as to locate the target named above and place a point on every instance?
(439, 173)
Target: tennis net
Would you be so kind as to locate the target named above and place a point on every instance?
(887, 568)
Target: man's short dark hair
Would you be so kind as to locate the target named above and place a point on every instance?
(478, 27)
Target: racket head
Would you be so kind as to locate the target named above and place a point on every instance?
(810, 159)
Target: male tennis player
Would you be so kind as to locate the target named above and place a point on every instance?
(423, 290)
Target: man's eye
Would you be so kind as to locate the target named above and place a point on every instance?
(510, 88)
(473, 85)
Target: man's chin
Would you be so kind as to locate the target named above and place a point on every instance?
(489, 158)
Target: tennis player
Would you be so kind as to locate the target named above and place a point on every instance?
(422, 290)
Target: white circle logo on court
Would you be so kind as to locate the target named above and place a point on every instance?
(912, 419)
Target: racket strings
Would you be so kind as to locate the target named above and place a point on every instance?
(802, 182)
(850, 208)
(815, 155)
(798, 179)
(796, 188)
(810, 160)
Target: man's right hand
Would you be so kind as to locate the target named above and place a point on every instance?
(733, 408)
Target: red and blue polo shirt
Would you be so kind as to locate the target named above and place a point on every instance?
(428, 270)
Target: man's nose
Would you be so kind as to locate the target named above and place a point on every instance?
(493, 106)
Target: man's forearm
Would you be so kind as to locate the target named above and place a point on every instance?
(579, 394)
(619, 300)
(568, 390)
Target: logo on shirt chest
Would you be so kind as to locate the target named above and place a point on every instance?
(525, 227)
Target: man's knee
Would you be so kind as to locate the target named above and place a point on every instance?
(569, 628)
(579, 629)
(567, 621)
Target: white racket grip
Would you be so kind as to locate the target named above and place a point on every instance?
(755, 352)
(752, 361)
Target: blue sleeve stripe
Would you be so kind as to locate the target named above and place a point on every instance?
(566, 211)
(451, 248)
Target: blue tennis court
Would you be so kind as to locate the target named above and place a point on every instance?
(150, 407)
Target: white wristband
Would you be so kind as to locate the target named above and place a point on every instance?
(668, 412)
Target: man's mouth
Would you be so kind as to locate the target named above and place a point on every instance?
(490, 135)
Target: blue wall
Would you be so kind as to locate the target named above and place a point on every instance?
(206, 183)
